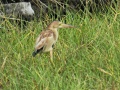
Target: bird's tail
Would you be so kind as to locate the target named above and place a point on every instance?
(34, 53)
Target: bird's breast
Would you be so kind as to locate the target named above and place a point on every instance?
(55, 35)
(50, 42)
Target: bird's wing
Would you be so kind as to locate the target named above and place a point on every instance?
(42, 39)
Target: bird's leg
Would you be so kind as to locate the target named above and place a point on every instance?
(51, 57)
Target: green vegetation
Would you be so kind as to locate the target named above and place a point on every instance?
(86, 57)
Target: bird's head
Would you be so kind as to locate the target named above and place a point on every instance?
(58, 24)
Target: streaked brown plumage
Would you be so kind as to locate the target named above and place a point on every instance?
(48, 38)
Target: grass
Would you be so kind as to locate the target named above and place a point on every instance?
(86, 57)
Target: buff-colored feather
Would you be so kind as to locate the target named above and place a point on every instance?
(48, 37)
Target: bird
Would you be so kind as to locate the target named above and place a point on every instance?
(48, 37)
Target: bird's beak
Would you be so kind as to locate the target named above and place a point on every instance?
(66, 26)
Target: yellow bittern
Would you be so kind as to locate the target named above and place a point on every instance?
(48, 37)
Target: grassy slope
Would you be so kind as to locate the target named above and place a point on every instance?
(86, 57)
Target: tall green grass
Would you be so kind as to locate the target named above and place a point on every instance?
(86, 57)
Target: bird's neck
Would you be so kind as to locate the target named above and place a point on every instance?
(55, 31)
